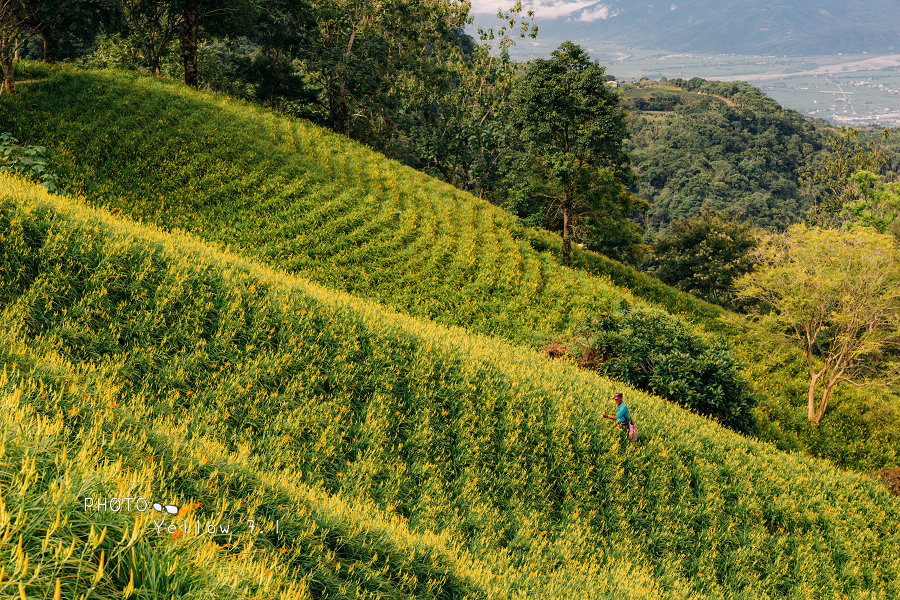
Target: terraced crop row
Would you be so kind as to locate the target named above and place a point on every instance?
(303, 199)
(168, 367)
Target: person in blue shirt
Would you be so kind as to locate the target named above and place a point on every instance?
(623, 417)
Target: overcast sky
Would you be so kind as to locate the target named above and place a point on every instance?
(542, 8)
(548, 9)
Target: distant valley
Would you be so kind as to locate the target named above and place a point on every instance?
(843, 66)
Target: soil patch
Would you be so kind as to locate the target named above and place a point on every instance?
(890, 477)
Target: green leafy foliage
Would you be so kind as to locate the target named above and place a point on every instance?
(725, 147)
(837, 295)
(877, 205)
(27, 161)
(29, 69)
(461, 130)
(831, 178)
(573, 168)
(655, 352)
(703, 256)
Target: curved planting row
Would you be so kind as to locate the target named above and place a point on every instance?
(400, 458)
(300, 198)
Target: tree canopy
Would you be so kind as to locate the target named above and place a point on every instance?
(571, 127)
(703, 255)
(723, 147)
(835, 293)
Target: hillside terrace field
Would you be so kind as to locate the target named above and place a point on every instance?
(294, 196)
(305, 200)
(401, 454)
(198, 375)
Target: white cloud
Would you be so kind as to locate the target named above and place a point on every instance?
(545, 9)
(673, 7)
(598, 12)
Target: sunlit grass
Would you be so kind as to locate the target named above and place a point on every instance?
(399, 457)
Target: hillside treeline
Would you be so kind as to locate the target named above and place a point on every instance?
(406, 79)
(721, 146)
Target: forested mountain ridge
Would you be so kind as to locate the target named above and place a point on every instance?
(701, 145)
(780, 28)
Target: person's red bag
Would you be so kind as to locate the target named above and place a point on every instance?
(632, 431)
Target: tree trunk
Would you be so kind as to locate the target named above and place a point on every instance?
(821, 412)
(340, 115)
(9, 75)
(567, 219)
(345, 111)
(49, 44)
(153, 61)
(811, 406)
(334, 106)
(189, 30)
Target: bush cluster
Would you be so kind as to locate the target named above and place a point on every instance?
(655, 352)
(24, 160)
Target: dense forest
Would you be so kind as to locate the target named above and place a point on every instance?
(701, 145)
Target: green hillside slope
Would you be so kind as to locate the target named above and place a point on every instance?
(299, 197)
(399, 458)
(308, 201)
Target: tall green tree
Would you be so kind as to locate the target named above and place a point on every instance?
(71, 20)
(703, 255)
(831, 180)
(836, 294)
(463, 129)
(363, 49)
(571, 129)
(16, 26)
(153, 23)
(263, 20)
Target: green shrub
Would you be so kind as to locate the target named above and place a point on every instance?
(32, 69)
(655, 352)
(27, 161)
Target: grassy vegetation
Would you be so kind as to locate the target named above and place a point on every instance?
(303, 200)
(31, 69)
(399, 457)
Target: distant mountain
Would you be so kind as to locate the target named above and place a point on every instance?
(800, 27)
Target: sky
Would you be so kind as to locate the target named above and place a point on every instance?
(545, 9)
